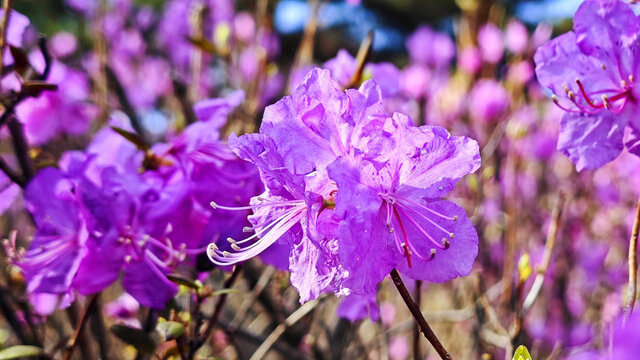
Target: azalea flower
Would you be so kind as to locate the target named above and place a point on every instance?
(592, 71)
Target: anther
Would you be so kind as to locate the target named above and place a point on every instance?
(231, 241)
(445, 243)
(554, 98)
(624, 83)
(236, 247)
(226, 254)
(213, 246)
(631, 78)
(603, 66)
(247, 229)
(452, 235)
(566, 88)
(440, 187)
(213, 204)
(432, 254)
(455, 218)
(127, 259)
(605, 102)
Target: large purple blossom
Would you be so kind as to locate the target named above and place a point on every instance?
(592, 71)
(324, 148)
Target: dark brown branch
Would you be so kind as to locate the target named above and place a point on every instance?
(12, 174)
(80, 323)
(416, 328)
(125, 104)
(181, 92)
(216, 313)
(417, 315)
(21, 147)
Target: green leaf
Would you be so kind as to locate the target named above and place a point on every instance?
(135, 337)
(170, 330)
(134, 138)
(20, 351)
(184, 281)
(522, 353)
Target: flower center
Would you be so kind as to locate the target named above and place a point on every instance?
(401, 211)
(610, 99)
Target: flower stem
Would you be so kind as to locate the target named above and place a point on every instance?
(417, 314)
(633, 265)
(81, 322)
(416, 328)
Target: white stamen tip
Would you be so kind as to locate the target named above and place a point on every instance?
(247, 229)
(226, 254)
(445, 243)
(231, 241)
(452, 235)
(455, 218)
(127, 259)
(213, 246)
(236, 247)
(213, 204)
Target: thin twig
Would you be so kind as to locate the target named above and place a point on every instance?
(10, 316)
(12, 174)
(279, 330)
(98, 329)
(216, 313)
(181, 92)
(80, 326)
(416, 329)
(417, 315)
(552, 235)
(633, 265)
(125, 104)
(361, 60)
(21, 147)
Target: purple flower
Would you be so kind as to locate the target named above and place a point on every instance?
(64, 111)
(358, 307)
(389, 204)
(488, 101)
(53, 258)
(516, 37)
(491, 43)
(429, 47)
(592, 71)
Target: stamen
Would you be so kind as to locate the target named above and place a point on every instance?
(586, 96)
(423, 231)
(261, 205)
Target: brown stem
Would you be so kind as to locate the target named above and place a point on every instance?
(417, 315)
(633, 265)
(216, 313)
(125, 104)
(416, 329)
(21, 147)
(12, 174)
(81, 322)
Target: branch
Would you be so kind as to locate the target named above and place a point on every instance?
(633, 265)
(82, 321)
(127, 108)
(552, 234)
(279, 330)
(12, 174)
(417, 315)
(216, 313)
(20, 147)
(416, 328)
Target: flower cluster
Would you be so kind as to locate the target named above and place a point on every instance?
(117, 210)
(352, 193)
